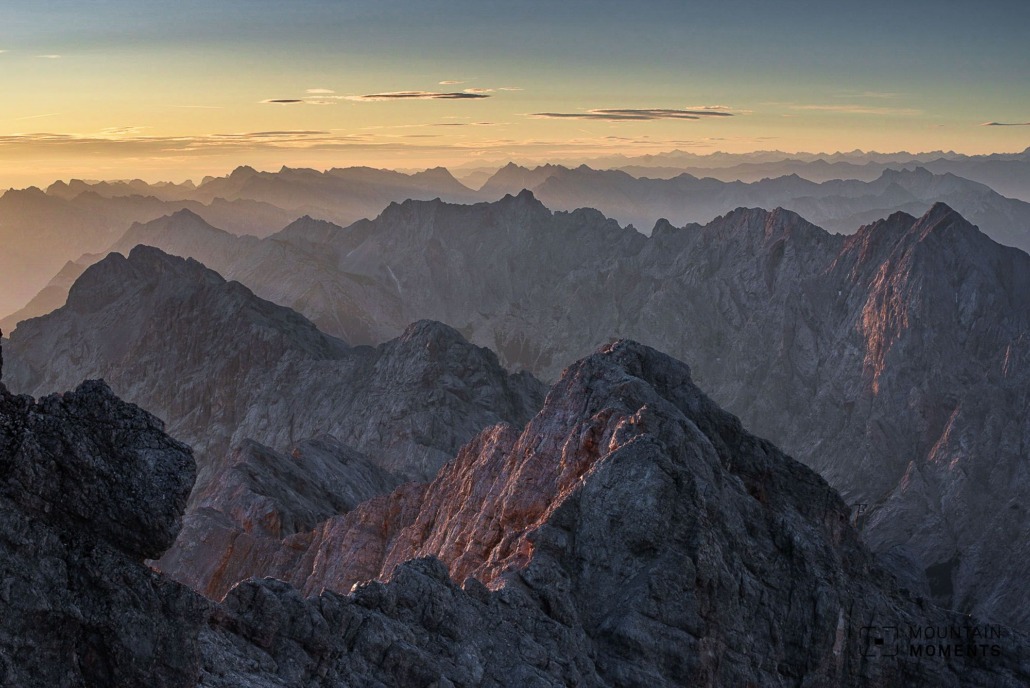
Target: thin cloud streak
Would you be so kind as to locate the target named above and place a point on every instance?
(858, 110)
(1005, 124)
(126, 139)
(49, 114)
(417, 95)
(125, 143)
(282, 101)
(646, 114)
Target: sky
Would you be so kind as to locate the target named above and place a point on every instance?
(169, 91)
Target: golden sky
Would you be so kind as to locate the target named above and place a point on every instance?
(157, 91)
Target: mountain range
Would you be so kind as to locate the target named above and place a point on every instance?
(46, 230)
(843, 350)
(632, 534)
(836, 205)
(1006, 173)
(355, 420)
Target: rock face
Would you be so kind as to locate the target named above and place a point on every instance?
(633, 534)
(89, 487)
(258, 497)
(874, 358)
(893, 361)
(245, 381)
(223, 366)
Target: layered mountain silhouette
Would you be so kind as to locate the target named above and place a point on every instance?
(148, 324)
(632, 534)
(243, 381)
(892, 361)
(836, 205)
(1006, 173)
(44, 230)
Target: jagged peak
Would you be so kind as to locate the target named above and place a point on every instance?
(901, 223)
(29, 192)
(940, 230)
(940, 210)
(662, 226)
(942, 217)
(776, 220)
(178, 220)
(116, 273)
(892, 174)
(131, 480)
(148, 277)
(430, 331)
(438, 173)
(524, 197)
(185, 214)
(150, 258)
(242, 171)
(308, 222)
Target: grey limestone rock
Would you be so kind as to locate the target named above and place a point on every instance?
(633, 534)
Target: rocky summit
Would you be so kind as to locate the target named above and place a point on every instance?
(289, 425)
(894, 361)
(149, 324)
(632, 534)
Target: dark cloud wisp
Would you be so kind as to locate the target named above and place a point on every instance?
(419, 95)
(631, 114)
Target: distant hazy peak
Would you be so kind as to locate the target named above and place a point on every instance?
(308, 223)
(436, 174)
(917, 172)
(776, 222)
(242, 171)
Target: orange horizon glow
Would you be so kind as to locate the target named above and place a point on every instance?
(145, 90)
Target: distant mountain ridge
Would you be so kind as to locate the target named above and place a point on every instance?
(841, 349)
(1006, 173)
(77, 217)
(42, 231)
(836, 205)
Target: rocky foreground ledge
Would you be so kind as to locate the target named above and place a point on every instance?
(633, 534)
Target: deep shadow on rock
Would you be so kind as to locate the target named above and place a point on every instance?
(634, 534)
